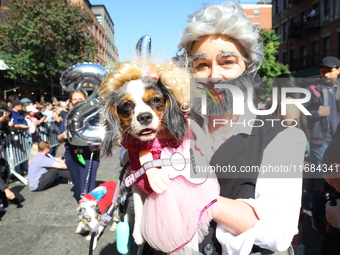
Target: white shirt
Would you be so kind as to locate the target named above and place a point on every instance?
(277, 199)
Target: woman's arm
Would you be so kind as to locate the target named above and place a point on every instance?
(235, 216)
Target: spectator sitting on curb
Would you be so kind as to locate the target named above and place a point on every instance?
(43, 169)
(34, 151)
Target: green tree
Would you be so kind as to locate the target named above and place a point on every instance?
(43, 37)
(270, 68)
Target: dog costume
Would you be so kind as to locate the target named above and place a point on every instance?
(103, 195)
(183, 212)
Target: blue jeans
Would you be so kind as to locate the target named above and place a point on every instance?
(316, 153)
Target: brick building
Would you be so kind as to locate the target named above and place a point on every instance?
(96, 31)
(259, 14)
(309, 31)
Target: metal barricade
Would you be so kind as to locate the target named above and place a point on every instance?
(49, 132)
(17, 145)
(17, 150)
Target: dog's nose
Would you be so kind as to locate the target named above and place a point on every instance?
(144, 118)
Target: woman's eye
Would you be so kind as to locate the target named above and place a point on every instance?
(228, 62)
(200, 65)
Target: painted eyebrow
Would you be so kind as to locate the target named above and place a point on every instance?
(199, 56)
(224, 53)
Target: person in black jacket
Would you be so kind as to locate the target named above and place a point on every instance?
(324, 106)
(4, 121)
(6, 193)
(331, 159)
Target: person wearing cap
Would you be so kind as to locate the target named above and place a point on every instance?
(26, 100)
(17, 118)
(30, 118)
(324, 107)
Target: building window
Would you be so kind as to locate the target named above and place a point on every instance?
(291, 56)
(277, 6)
(315, 47)
(99, 18)
(327, 11)
(285, 4)
(257, 26)
(256, 12)
(284, 32)
(284, 58)
(326, 46)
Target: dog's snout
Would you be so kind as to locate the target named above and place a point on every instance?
(144, 118)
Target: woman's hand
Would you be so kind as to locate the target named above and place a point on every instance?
(62, 137)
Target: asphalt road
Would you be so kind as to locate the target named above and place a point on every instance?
(46, 222)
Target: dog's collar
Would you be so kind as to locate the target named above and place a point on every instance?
(97, 217)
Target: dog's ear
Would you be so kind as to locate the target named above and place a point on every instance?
(174, 118)
(111, 122)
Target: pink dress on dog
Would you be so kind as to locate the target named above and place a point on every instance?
(180, 214)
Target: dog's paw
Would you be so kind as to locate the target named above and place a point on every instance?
(80, 229)
(137, 236)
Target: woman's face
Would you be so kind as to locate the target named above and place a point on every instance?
(217, 57)
(76, 98)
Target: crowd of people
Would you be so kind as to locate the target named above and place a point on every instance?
(256, 214)
(25, 116)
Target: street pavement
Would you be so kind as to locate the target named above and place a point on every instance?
(45, 223)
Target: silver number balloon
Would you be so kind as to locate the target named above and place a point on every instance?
(82, 123)
(143, 49)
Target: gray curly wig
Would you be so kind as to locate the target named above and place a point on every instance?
(228, 19)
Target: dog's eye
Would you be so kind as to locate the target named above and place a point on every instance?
(127, 105)
(156, 100)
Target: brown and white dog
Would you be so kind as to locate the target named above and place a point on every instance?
(144, 105)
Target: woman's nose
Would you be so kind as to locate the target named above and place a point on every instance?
(216, 73)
